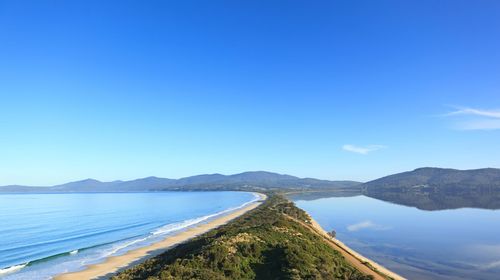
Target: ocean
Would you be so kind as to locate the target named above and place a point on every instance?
(42, 235)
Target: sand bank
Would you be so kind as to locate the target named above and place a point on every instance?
(363, 264)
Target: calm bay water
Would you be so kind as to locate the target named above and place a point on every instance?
(446, 244)
(42, 235)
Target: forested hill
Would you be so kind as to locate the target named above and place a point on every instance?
(266, 243)
(249, 181)
(438, 188)
(438, 178)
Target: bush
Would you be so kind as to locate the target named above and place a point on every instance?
(262, 244)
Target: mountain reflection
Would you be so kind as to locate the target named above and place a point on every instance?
(430, 200)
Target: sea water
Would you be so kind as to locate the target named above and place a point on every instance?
(42, 235)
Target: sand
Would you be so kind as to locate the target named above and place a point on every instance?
(363, 264)
(116, 263)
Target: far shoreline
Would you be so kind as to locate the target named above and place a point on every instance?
(114, 264)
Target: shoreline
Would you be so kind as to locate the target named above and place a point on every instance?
(356, 259)
(114, 264)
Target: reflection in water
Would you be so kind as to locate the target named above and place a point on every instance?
(313, 195)
(448, 244)
(439, 199)
(421, 197)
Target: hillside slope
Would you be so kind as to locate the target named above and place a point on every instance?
(438, 188)
(266, 243)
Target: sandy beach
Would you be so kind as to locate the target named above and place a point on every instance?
(115, 263)
(364, 264)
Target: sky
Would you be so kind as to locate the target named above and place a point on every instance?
(342, 90)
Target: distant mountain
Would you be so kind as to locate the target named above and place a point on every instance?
(80, 185)
(438, 188)
(17, 188)
(144, 184)
(258, 180)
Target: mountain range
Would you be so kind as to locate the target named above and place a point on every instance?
(439, 188)
(251, 181)
(425, 188)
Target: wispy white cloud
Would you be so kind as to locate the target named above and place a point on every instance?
(475, 119)
(479, 125)
(491, 265)
(362, 149)
(476, 112)
(480, 250)
(366, 225)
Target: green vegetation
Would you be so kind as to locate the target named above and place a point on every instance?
(266, 243)
(247, 181)
(437, 188)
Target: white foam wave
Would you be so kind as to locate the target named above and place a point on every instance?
(12, 269)
(95, 256)
(169, 228)
(115, 249)
(191, 222)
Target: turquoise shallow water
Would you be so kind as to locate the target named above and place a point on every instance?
(42, 235)
(447, 244)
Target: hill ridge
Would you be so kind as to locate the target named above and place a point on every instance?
(248, 181)
(432, 188)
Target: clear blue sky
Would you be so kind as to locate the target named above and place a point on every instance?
(326, 89)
